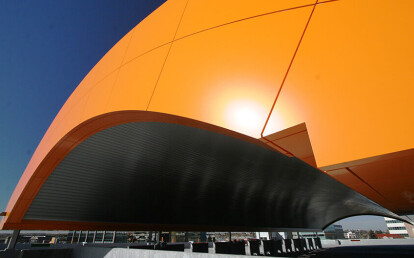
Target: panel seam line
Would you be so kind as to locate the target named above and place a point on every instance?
(166, 57)
(119, 70)
(189, 35)
(365, 182)
(283, 82)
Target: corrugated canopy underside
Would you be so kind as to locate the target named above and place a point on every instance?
(168, 174)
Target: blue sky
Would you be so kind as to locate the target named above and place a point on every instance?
(46, 48)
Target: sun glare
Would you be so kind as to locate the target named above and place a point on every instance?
(246, 116)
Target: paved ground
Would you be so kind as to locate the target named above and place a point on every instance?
(366, 251)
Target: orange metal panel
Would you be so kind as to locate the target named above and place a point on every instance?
(228, 76)
(287, 132)
(388, 170)
(108, 64)
(352, 81)
(136, 81)
(16, 217)
(157, 29)
(204, 14)
(299, 144)
(393, 178)
(98, 97)
(73, 118)
(348, 179)
(62, 151)
(44, 170)
(399, 191)
(31, 191)
(113, 59)
(295, 140)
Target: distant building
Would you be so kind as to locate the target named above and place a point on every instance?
(321, 235)
(350, 235)
(389, 236)
(75, 237)
(399, 227)
(334, 231)
(262, 235)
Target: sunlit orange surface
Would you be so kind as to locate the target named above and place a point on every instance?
(348, 70)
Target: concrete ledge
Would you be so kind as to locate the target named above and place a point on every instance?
(99, 252)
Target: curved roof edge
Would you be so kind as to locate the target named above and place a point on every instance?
(32, 179)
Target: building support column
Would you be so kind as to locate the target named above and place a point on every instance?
(203, 236)
(113, 237)
(230, 236)
(159, 237)
(13, 239)
(94, 235)
(103, 237)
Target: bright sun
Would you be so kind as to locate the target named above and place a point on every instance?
(246, 117)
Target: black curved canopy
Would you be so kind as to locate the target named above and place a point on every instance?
(184, 178)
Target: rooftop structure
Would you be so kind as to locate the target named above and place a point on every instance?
(398, 227)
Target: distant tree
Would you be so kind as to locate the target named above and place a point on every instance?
(372, 235)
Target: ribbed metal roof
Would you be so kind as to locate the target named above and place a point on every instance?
(169, 174)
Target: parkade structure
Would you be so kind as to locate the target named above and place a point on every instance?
(234, 115)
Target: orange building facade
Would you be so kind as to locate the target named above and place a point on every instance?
(329, 82)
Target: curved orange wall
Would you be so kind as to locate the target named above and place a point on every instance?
(223, 62)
